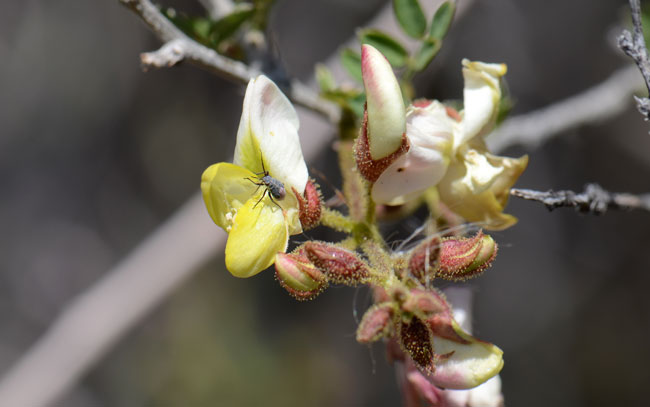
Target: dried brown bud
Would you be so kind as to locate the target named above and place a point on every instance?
(341, 266)
(298, 276)
(376, 323)
(368, 167)
(465, 258)
(309, 205)
(417, 341)
(423, 261)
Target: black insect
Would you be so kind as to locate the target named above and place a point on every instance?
(272, 186)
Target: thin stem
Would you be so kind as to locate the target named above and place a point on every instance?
(633, 45)
(594, 199)
(336, 220)
(179, 47)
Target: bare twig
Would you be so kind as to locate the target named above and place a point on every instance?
(633, 45)
(596, 104)
(179, 47)
(594, 199)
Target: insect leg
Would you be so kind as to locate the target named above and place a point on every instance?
(273, 200)
(260, 200)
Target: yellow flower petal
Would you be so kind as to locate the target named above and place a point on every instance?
(257, 234)
(225, 189)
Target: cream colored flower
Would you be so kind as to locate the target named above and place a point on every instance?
(445, 149)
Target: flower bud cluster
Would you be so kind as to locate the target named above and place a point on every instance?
(421, 322)
(309, 269)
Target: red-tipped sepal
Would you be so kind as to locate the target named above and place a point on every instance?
(368, 167)
(377, 323)
(423, 261)
(425, 303)
(341, 266)
(309, 205)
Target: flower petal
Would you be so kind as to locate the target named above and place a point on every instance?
(469, 365)
(481, 97)
(386, 112)
(259, 231)
(268, 133)
(429, 131)
(482, 198)
(225, 189)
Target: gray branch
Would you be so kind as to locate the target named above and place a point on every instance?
(597, 104)
(179, 47)
(633, 45)
(594, 199)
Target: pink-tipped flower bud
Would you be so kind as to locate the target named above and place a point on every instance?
(465, 258)
(341, 266)
(298, 276)
(423, 262)
(386, 122)
(309, 205)
(376, 323)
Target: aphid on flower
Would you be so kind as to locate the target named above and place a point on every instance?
(272, 186)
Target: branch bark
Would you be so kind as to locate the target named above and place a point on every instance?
(594, 199)
(179, 47)
(633, 45)
(596, 104)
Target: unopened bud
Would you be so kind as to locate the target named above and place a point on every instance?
(298, 276)
(424, 260)
(424, 303)
(309, 205)
(386, 122)
(465, 258)
(341, 266)
(368, 167)
(376, 323)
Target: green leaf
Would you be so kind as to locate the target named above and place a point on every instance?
(410, 16)
(506, 104)
(228, 25)
(357, 104)
(426, 53)
(442, 20)
(350, 99)
(351, 61)
(196, 27)
(324, 78)
(392, 50)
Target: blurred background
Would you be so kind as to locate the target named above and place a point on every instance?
(95, 153)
